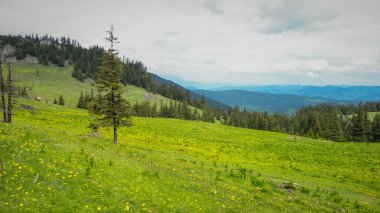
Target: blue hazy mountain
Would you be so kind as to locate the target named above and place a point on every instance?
(260, 101)
(337, 92)
(357, 93)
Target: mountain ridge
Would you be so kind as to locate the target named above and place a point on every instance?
(260, 101)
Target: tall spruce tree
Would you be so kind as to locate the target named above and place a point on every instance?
(376, 128)
(334, 131)
(358, 132)
(367, 125)
(109, 107)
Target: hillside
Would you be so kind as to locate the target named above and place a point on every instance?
(193, 94)
(84, 63)
(260, 101)
(356, 93)
(53, 163)
(53, 81)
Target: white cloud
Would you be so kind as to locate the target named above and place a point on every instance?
(242, 41)
(312, 74)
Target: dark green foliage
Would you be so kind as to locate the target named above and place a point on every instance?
(86, 63)
(61, 101)
(334, 130)
(327, 121)
(376, 128)
(55, 101)
(57, 51)
(81, 101)
(84, 100)
(109, 107)
(360, 129)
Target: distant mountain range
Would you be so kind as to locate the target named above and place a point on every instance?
(260, 101)
(281, 98)
(356, 93)
(196, 96)
(337, 92)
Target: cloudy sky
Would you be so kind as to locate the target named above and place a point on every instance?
(315, 42)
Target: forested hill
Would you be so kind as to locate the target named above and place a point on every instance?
(64, 50)
(193, 94)
(266, 102)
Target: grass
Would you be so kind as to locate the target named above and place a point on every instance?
(372, 115)
(54, 81)
(54, 163)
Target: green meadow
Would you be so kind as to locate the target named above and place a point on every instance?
(53, 81)
(54, 163)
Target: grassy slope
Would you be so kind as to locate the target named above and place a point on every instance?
(372, 115)
(54, 81)
(173, 165)
(168, 164)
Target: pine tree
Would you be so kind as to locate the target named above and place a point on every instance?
(81, 101)
(55, 101)
(376, 128)
(358, 132)
(334, 131)
(367, 125)
(109, 107)
(61, 101)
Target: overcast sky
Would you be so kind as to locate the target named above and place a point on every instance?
(315, 42)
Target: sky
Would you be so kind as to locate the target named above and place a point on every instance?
(250, 42)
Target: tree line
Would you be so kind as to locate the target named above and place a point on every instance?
(327, 121)
(86, 63)
(332, 122)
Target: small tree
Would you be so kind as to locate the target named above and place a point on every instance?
(55, 101)
(109, 107)
(61, 101)
(81, 101)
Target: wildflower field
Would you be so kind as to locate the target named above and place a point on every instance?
(53, 162)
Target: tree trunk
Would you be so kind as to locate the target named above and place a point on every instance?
(2, 90)
(10, 92)
(114, 134)
(2, 175)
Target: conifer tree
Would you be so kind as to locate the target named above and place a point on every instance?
(2, 90)
(55, 101)
(81, 101)
(358, 132)
(61, 101)
(109, 107)
(367, 125)
(376, 128)
(334, 130)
